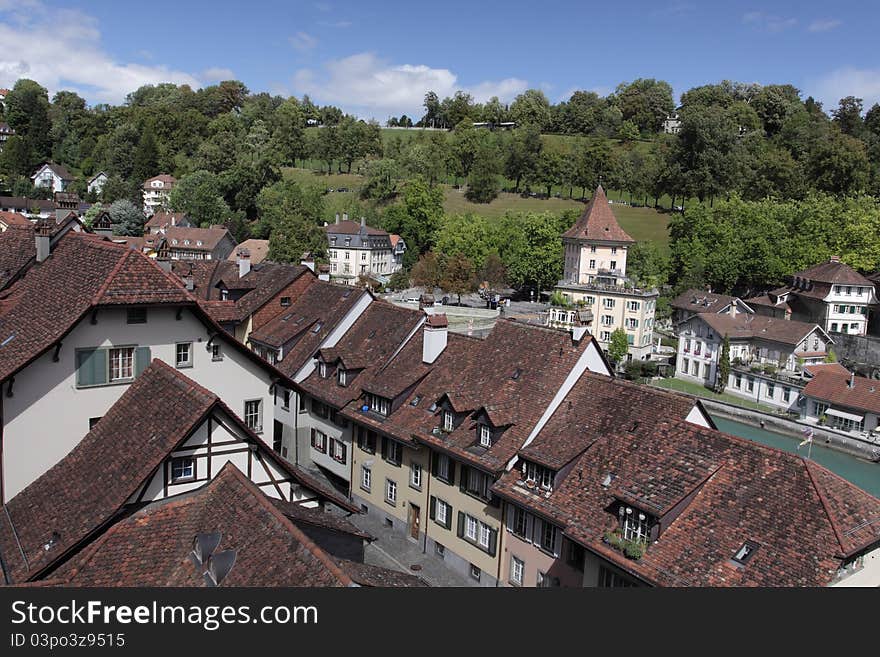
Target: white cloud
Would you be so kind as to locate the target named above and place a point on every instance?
(218, 74)
(303, 41)
(823, 25)
(366, 83)
(60, 49)
(861, 83)
(768, 22)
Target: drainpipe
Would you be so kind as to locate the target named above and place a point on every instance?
(501, 533)
(428, 509)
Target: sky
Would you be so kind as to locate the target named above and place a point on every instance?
(377, 59)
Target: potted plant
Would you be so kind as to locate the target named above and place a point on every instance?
(634, 550)
(823, 419)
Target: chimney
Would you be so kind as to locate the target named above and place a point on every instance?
(434, 339)
(43, 234)
(164, 262)
(363, 222)
(244, 262)
(345, 216)
(835, 258)
(307, 260)
(337, 217)
(852, 380)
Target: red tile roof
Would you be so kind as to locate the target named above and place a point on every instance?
(164, 177)
(152, 547)
(258, 250)
(744, 325)
(700, 301)
(112, 462)
(14, 219)
(832, 386)
(17, 251)
(209, 237)
(833, 272)
(163, 219)
(834, 368)
(352, 228)
(712, 492)
(598, 223)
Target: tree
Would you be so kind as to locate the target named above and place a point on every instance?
(493, 273)
(523, 150)
(416, 218)
(457, 276)
(645, 102)
(628, 131)
(473, 236)
(294, 234)
(198, 195)
(532, 108)
(848, 116)
(287, 127)
(483, 181)
(724, 364)
(426, 272)
(529, 248)
(283, 200)
(647, 265)
(618, 346)
(27, 112)
(92, 213)
(381, 182)
(127, 218)
(399, 280)
(145, 161)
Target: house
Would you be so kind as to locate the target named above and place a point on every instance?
(103, 224)
(759, 346)
(258, 250)
(5, 133)
(162, 220)
(355, 249)
(82, 326)
(672, 503)
(54, 176)
(96, 183)
(240, 296)
(595, 278)
(8, 219)
(842, 401)
(398, 249)
(30, 207)
(181, 243)
(831, 294)
(156, 192)
(693, 302)
(165, 437)
(672, 124)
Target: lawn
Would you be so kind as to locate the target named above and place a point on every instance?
(334, 181)
(700, 391)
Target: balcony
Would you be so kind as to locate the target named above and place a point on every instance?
(604, 287)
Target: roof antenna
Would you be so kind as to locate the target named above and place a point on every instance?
(203, 547)
(218, 567)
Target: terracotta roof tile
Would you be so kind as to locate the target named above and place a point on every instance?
(744, 325)
(832, 386)
(598, 223)
(833, 272)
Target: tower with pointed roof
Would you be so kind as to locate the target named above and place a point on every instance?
(594, 277)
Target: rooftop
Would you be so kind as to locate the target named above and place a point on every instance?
(598, 223)
(833, 386)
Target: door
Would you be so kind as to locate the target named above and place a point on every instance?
(414, 516)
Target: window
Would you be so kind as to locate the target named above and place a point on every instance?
(786, 394)
(632, 323)
(635, 526)
(448, 421)
(592, 264)
(605, 336)
(136, 316)
(485, 436)
(613, 250)
(253, 415)
(441, 512)
(378, 404)
(592, 249)
(541, 475)
(444, 468)
(685, 363)
(183, 469)
(607, 320)
(519, 522)
(613, 265)
(322, 370)
(320, 409)
(392, 451)
(341, 376)
(608, 303)
(475, 572)
(366, 478)
(517, 569)
(216, 352)
(319, 441)
(338, 450)
(547, 537)
(476, 483)
(285, 301)
(122, 364)
(819, 408)
(547, 581)
(575, 555)
(285, 403)
(390, 492)
(415, 475)
(633, 306)
(610, 579)
(737, 380)
(183, 357)
(745, 552)
(695, 368)
(471, 528)
(750, 384)
(366, 440)
(439, 550)
(770, 390)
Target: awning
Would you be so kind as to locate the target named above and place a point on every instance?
(846, 416)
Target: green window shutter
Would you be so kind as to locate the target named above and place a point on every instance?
(433, 507)
(384, 448)
(493, 542)
(141, 360)
(91, 367)
(460, 524)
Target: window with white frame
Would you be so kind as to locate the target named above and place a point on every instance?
(216, 352)
(635, 525)
(471, 528)
(539, 474)
(392, 451)
(519, 522)
(608, 303)
(485, 436)
(633, 306)
(338, 450)
(390, 491)
(485, 535)
(517, 570)
(366, 478)
(448, 421)
(183, 468)
(415, 475)
(547, 536)
(183, 355)
(121, 364)
(444, 467)
(378, 404)
(322, 370)
(441, 512)
(476, 483)
(253, 415)
(341, 376)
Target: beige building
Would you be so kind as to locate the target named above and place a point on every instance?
(355, 249)
(595, 279)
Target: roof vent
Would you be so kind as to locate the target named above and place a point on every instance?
(203, 546)
(516, 374)
(606, 482)
(218, 567)
(48, 545)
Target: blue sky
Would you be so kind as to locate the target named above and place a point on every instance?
(378, 59)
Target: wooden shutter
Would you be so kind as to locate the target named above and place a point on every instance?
(433, 513)
(384, 448)
(91, 367)
(344, 451)
(463, 474)
(142, 359)
(460, 524)
(493, 542)
(448, 515)
(451, 472)
(434, 460)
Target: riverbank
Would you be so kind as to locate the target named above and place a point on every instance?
(832, 440)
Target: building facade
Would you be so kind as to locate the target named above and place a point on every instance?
(156, 192)
(355, 250)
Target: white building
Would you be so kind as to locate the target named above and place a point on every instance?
(157, 192)
(97, 182)
(54, 176)
(355, 249)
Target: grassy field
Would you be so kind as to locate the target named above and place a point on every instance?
(700, 391)
(642, 223)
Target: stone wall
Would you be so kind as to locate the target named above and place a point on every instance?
(858, 352)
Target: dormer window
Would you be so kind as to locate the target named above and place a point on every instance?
(745, 552)
(635, 524)
(186, 242)
(322, 370)
(448, 421)
(378, 404)
(485, 434)
(342, 376)
(199, 243)
(539, 475)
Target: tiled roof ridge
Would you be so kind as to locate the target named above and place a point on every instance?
(824, 503)
(109, 279)
(304, 540)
